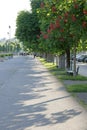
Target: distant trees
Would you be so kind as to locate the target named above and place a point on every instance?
(10, 46)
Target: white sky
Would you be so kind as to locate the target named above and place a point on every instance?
(8, 14)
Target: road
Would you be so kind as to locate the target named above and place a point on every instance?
(82, 68)
(32, 99)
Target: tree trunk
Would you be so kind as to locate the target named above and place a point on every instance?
(50, 57)
(62, 61)
(57, 61)
(74, 60)
(68, 59)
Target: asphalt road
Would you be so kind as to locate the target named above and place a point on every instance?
(32, 99)
(82, 68)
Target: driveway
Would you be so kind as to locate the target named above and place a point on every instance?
(32, 99)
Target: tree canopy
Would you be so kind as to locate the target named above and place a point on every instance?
(54, 26)
(27, 28)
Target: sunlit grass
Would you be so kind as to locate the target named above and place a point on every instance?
(49, 65)
(77, 88)
(61, 73)
(68, 77)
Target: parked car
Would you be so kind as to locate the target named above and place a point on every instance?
(78, 56)
(85, 60)
(82, 58)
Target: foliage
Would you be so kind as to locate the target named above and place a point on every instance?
(27, 28)
(35, 4)
(6, 54)
(63, 23)
(54, 26)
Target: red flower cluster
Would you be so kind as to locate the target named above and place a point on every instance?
(73, 18)
(85, 12)
(49, 30)
(62, 30)
(66, 15)
(52, 26)
(53, 9)
(84, 24)
(57, 23)
(65, 20)
(76, 6)
(42, 5)
(45, 36)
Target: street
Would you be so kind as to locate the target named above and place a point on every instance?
(32, 99)
(82, 68)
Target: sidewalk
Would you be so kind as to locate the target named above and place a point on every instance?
(33, 99)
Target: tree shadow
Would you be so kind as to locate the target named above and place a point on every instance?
(65, 115)
(22, 105)
(20, 116)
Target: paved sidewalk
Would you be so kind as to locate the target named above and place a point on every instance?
(33, 99)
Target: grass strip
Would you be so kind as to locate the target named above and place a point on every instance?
(77, 88)
(68, 77)
(60, 73)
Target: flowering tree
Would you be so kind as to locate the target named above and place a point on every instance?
(63, 25)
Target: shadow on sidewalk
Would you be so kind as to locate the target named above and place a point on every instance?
(22, 104)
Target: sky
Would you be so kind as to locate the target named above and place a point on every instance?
(8, 13)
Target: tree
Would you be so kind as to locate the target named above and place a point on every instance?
(27, 28)
(52, 27)
(66, 26)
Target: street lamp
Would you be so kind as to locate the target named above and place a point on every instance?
(9, 32)
(9, 35)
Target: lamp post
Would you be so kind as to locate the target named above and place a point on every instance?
(9, 32)
(9, 35)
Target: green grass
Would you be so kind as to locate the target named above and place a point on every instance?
(6, 54)
(49, 65)
(67, 77)
(60, 73)
(77, 88)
